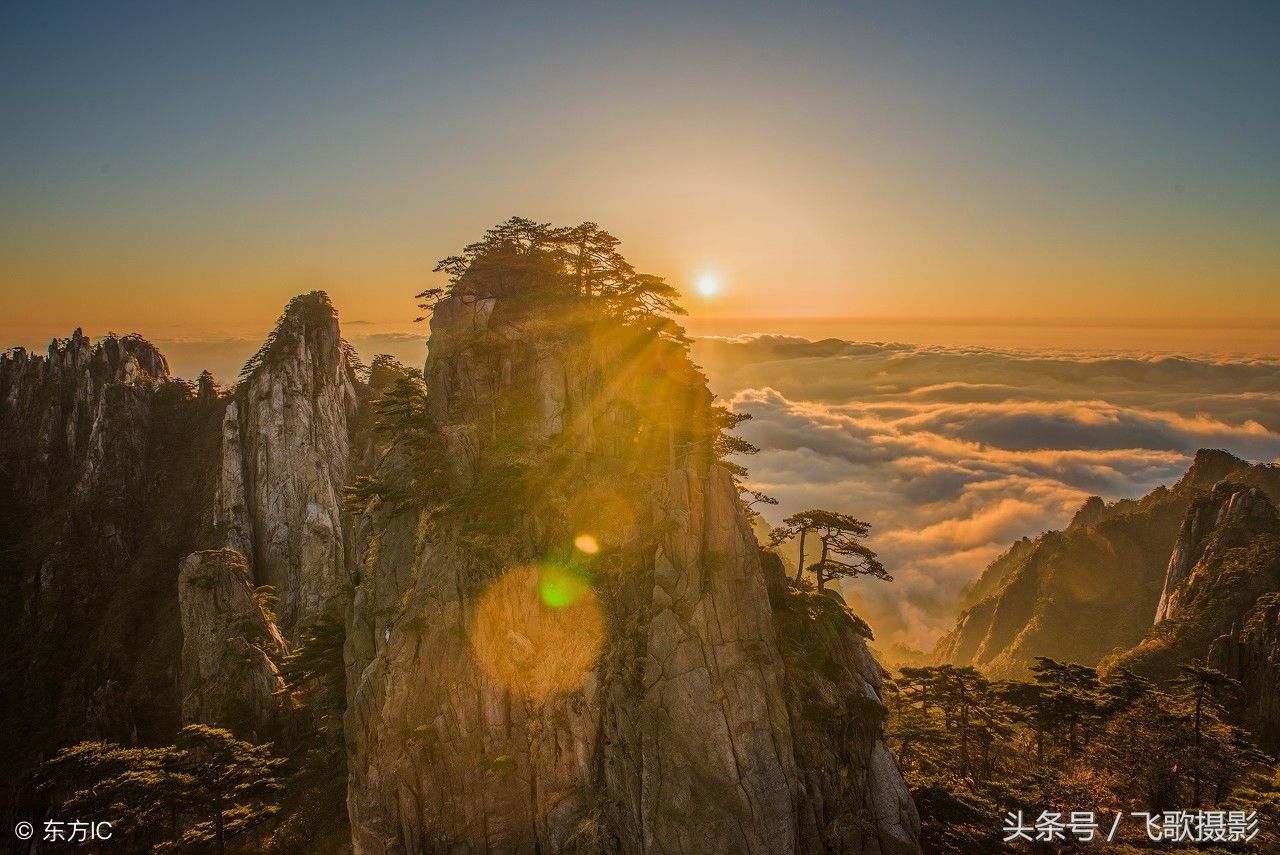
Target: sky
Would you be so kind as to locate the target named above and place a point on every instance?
(181, 170)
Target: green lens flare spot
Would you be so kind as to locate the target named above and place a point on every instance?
(559, 588)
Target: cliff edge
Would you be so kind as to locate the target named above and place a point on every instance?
(562, 637)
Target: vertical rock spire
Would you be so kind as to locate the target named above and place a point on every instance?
(286, 443)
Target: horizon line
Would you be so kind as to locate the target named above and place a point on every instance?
(1005, 321)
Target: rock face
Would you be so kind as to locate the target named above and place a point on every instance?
(112, 474)
(104, 479)
(54, 407)
(1088, 593)
(227, 678)
(1224, 565)
(1251, 654)
(75, 431)
(652, 689)
(1230, 511)
(1073, 595)
(640, 701)
(285, 458)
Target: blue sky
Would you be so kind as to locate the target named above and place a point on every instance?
(882, 159)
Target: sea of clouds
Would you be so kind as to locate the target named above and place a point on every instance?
(954, 453)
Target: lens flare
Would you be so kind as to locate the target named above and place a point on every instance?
(586, 543)
(560, 587)
(538, 631)
(607, 515)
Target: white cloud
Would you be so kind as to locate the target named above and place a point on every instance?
(953, 453)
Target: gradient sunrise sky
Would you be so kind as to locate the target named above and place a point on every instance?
(181, 169)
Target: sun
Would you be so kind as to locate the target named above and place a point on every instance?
(708, 285)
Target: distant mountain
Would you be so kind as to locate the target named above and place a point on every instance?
(1092, 591)
(1219, 600)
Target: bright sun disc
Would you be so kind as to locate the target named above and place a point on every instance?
(708, 285)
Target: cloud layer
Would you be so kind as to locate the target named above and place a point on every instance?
(953, 453)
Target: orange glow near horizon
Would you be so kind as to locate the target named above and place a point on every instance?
(843, 163)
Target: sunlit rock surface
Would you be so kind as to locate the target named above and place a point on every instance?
(1224, 566)
(285, 459)
(475, 721)
(1093, 590)
(665, 699)
(1230, 515)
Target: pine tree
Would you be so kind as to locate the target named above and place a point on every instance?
(843, 551)
(234, 781)
(207, 788)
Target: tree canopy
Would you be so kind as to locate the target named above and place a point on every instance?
(1068, 739)
(197, 794)
(521, 256)
(843, 550)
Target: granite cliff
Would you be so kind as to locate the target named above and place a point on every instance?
(106, 463)
(118, 622)
(1219, 601)
(1185, 574)
(640, 692)
(286, 453)
(560, 631)
(228, 675)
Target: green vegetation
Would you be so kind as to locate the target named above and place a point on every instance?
(397, 417)
(206, 790)
(97, 658)
(315, 668)
(521, 258)
(485, 449)
(311, 310)
(313, 813)
(1069, 739)
(843, 552)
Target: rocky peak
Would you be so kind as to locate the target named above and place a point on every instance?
(206, 389)
(106, 471)
(643, 704)
(1209, 466)
(1228, 516)
(285, 459)
(1090, 513)
(307, 332)
(77, 364)
(55, 410)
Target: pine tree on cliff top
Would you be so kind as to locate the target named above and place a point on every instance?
(583, 261)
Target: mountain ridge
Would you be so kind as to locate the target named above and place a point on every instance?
(1035, 595)
(214, 504)
(1189, 574)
